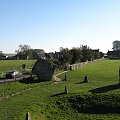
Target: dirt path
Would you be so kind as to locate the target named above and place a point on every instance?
(56, 78)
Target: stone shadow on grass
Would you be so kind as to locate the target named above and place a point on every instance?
(105, 88)
(81, 82)
(58, 94)
(29, 80)
(2, 78)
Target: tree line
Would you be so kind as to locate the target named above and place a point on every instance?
(65, 55)
(78, 54)
(26, 52)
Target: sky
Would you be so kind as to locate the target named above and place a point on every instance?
(51, 24)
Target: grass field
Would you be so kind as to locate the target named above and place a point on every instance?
(7, 65)
(101, 93)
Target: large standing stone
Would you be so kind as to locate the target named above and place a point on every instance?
(43, 69)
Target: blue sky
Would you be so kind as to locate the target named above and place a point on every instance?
(51, 24)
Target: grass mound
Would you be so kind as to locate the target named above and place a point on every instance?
(91, 103)
(96, 104)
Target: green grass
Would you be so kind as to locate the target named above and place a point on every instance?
(48, 102)
(7, 65)
(11, 88)
(100, 74)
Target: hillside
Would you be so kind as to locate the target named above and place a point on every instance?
(48, 101)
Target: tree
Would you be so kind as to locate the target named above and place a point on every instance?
(101, 54)
(96, 55)
(76, 55)
(23, 66)
(86, 53)
(1, 53)
(116, 45)
(64, 56)
(24, 51)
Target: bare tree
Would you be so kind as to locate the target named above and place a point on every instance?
(23, 51)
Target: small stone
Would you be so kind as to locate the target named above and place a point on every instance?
(85, 79)
(66, 91)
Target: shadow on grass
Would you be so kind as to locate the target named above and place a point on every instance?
(29, 80)
(63, 79)
(105, 88)
(2, 78)
(58, 94)
(81, 82)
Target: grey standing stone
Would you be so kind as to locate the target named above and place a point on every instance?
(28, 117)
(85, 79)
(43, 69)
(66, 90)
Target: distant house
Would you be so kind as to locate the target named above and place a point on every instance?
(49, 55)
(13, 57)
(1, 52)
(57, 55)
(95, 50)
(113, 54)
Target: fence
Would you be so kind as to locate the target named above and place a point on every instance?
(79, 65)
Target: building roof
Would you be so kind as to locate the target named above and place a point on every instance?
(113, 54)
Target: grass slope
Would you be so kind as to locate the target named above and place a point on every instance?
(49, 102)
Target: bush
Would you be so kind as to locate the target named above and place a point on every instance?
(27, 71)
(23, 66)
(96, 104)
